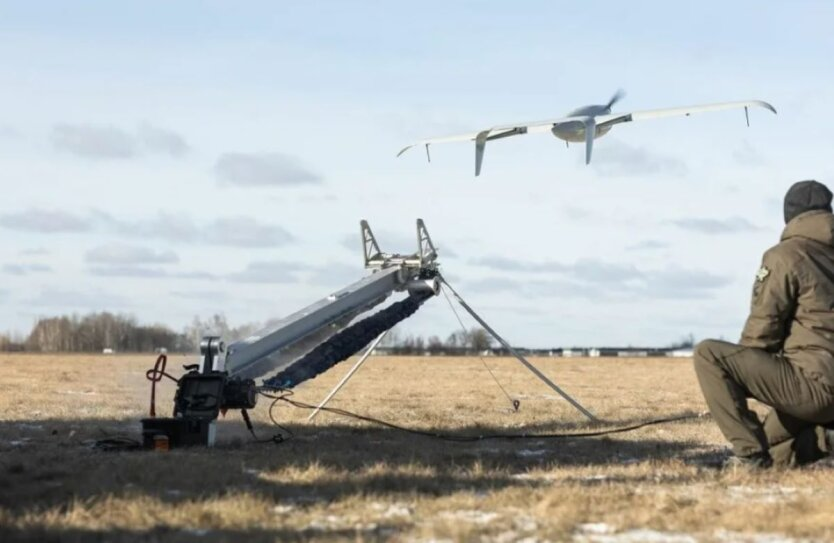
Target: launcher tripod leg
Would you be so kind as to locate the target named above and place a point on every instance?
(542, 377)
(347, 377)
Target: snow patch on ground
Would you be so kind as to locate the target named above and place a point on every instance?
(600, 532)
(393, 510)
(738, 537)
(767, 494)
(471, 515)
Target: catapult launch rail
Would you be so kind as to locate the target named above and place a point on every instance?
(307, 343)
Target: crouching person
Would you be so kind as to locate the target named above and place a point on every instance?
(785, 358)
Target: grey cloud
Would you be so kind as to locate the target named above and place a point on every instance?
(597, 271)
(268, 272)
(26, 269)
(616, 158)
(160, 140)
(502, 263)
(110, 142)
(263, 169)
(44, 221)
(648, 245)
(748, 156)
(143, 272)
(37, 251)
(730, 225)
(231, 231)
(120, 254)
(334, 274)
(77, 299)
(137, 272)
(92, 141)
(575, 213)
(166, 226)
(246, 232)
(682, 283)
(8, 132)
(590, 270)
(594, 278)
(199, 295)
(494, 284)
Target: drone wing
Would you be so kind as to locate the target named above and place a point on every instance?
(496, 132)
(616, 118)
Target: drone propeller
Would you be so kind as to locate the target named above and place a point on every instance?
(619, 95)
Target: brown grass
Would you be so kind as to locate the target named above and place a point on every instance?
(340, 479)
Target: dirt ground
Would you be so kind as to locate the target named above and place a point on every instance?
(340, 479)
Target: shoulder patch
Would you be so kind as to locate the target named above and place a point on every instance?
(762, 274)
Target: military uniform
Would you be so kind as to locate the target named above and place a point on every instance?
(785, 358)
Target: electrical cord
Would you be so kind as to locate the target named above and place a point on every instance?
(482, 437)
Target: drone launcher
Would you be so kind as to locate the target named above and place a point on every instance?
(299, 346)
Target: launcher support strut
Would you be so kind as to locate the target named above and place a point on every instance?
(527, 364)
(349, 374)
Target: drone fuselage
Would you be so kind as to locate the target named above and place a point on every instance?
(574, 130)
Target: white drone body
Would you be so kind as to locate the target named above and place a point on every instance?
(583, 125)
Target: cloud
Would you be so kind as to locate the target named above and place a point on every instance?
(26, 269)
(120, 254)
(44, 221)
(9, 132)
(238, 231)
(748, 156)
(268, 272)
(263, 170)
(110, 142)
(648, 245)
(494, 284)
(92, 141)
(35, 251)
(575, 213)
(138, 272)
(731, 225)
(681, 283)
(246, 232)
(160, 140)
(143, 272)
(204, 295)
(619, 159)
(336, 274)
(593, 278)
(77, 299)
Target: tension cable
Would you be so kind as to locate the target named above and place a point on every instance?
(514, 402)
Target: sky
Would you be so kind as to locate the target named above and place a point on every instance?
(178, 159)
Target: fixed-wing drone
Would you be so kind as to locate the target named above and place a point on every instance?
(583, 124)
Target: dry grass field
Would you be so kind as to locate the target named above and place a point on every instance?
(340, 479)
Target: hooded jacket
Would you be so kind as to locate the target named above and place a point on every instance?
(792, 310)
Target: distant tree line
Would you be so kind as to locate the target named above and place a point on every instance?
(97, 332)
(475, 340)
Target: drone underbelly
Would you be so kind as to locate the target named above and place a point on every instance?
(575, 131)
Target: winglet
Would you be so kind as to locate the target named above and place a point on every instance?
(404, 149)
(480, 147)
(590, 134)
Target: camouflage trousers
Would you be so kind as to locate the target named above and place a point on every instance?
(792, 431)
